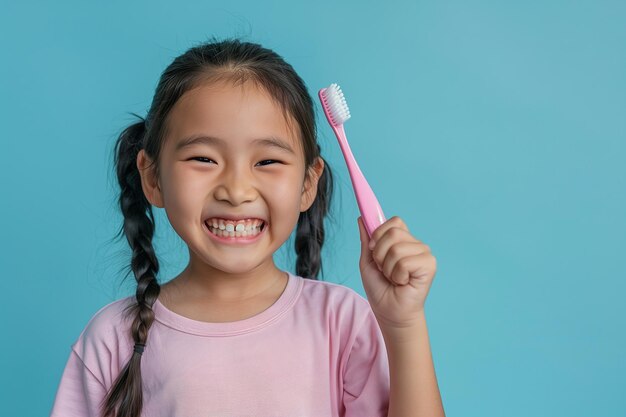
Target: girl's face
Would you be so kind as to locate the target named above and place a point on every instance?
(230, 175)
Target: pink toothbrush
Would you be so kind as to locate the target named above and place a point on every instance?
(337, 112)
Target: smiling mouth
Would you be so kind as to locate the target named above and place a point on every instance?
(246, 233)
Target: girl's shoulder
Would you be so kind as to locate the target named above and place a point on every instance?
(330, 289)
(110, 315)
(340, 298)
(107, 328)
(105, 343)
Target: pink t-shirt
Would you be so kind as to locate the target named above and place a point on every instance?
(317, 351)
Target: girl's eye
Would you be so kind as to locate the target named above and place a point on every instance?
(195, 158)
(269, 160)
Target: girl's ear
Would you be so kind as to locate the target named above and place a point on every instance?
(309, 189)
(149, 182)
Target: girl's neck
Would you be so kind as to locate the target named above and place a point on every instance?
(211, 301)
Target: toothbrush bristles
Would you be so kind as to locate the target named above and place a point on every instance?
(336, 104)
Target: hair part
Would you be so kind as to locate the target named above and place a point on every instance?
(215, 60)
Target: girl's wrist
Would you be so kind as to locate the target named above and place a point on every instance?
(409, 332)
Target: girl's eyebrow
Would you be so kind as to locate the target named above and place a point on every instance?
(271, 141)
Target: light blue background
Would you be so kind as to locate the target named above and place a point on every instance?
(496, 130)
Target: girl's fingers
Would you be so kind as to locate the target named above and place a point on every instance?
(394, 222)
(416, 266)
(398, 255)
(393, 237)
(398, 252)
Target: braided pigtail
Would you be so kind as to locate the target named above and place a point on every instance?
(310, 230)
(125, 396)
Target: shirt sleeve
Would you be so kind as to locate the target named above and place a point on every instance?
(366, 376)
(79, 393)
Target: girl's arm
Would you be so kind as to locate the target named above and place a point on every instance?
(397, 271)
(413, 385)
(79, 392)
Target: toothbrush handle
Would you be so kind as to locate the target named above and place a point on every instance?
(371, 212)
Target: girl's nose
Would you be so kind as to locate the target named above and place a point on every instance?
(236, 187)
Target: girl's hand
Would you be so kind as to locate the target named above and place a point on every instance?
(397, 272)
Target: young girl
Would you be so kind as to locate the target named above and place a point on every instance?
(229, 150)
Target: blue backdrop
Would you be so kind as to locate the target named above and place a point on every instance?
(494, 129)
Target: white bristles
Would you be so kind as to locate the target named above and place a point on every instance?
(336, 104)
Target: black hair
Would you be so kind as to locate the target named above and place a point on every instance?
(234, 60)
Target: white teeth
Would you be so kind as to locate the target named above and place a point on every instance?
(230, 230)
(221, 224)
